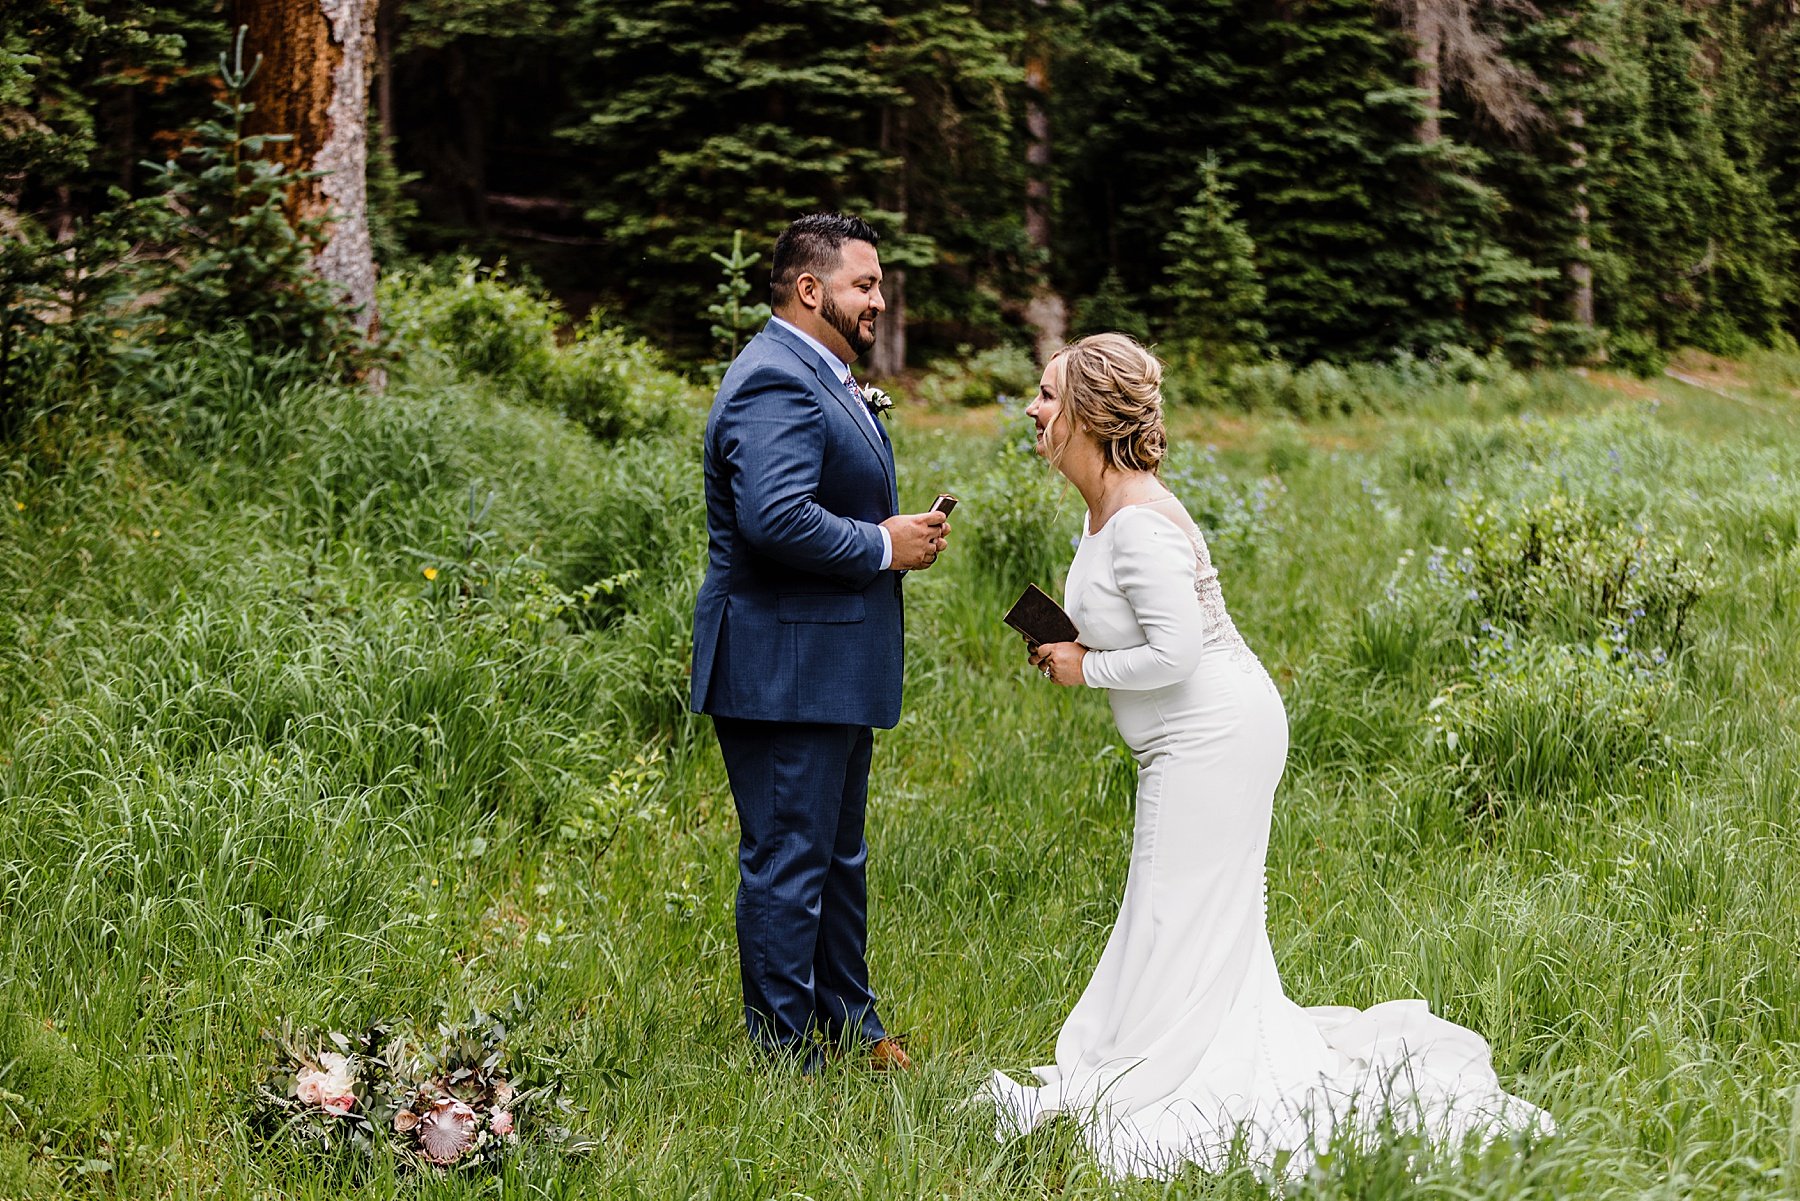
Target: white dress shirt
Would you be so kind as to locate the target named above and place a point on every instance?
(839, 370)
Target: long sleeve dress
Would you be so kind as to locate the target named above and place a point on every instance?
(1183, 1042)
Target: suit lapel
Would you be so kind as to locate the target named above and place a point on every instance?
(869, 427)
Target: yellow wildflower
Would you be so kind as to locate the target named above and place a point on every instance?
(431, 573)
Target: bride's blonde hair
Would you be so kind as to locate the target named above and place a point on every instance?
(1112, 387)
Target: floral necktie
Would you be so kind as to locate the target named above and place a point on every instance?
(855, 391)
(850, 383)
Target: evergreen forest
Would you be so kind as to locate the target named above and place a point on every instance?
(1552, 180)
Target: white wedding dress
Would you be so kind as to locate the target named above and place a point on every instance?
(1183, 1043)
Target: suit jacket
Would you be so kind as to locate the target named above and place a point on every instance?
(796, 620)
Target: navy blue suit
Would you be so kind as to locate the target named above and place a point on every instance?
(797, 654)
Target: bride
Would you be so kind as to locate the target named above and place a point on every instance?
(1183, 1045)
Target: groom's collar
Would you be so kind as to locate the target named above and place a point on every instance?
(838, 368)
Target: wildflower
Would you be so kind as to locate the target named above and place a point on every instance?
(431, 573)
(502, 1122)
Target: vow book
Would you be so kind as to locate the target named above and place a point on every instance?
(1040, 619)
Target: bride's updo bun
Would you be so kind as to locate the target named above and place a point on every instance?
(1113, 388)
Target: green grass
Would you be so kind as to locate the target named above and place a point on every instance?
(254, 764)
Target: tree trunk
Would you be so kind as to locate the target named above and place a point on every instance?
(889, 354)
(1046, 313)
(387, 23)
(1581, 271)
(889, 357)
(314, 86)
(1428, 32)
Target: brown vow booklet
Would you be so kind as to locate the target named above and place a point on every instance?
(1040, 619)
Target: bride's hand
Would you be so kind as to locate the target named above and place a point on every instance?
(1060, 662)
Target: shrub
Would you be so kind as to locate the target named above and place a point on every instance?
(484, 327)
(475, 320)
(614, 385)
(1552, 565)
(982, 377)
(1536, 718)
(1323, 390)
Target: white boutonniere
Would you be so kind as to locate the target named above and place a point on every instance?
(879, 402)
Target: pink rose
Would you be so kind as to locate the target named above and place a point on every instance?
(501, 1122)
(330, 1086)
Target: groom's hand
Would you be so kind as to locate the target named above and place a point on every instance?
(919, 538)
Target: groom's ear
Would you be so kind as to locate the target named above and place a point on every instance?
(809, 289)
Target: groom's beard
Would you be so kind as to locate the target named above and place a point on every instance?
(850, 327)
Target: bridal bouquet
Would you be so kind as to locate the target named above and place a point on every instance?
(440, 1100)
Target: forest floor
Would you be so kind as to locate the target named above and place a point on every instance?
(305, 714)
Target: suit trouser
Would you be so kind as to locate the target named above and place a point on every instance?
(801, 791)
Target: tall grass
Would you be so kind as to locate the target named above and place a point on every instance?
(322, 704)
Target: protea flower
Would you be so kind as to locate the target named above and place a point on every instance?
(444, 1131)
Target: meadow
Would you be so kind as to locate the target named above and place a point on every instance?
(335, 707)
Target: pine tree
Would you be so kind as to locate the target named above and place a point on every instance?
(240, 256)
(1333, 187)
(1779, 72)
(313, 91)
(951, 185)
(1110, 309)
(1213, 296)
(1546, 173)
(734, 318)
(702, 115)
(1687, 242)
(1156, 82)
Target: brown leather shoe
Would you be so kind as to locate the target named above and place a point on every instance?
(888, 1055)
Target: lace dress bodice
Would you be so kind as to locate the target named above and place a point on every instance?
(1220, 628)
(1145, 594)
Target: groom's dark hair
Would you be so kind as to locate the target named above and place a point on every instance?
(813, 245)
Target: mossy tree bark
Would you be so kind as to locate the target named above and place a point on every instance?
(314, 87)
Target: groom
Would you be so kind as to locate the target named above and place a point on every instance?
(797, 635)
